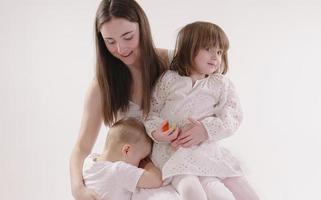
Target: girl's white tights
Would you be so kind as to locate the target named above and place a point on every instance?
(201, 188)
(189, 187)
(215, 189)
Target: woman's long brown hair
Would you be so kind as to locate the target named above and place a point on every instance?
(114, 77)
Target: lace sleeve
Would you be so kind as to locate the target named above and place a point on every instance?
(158, 100)
(228, 117)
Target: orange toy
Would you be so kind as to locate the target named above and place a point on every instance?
(165, 126)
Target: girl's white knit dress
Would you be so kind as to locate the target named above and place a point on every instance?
(211, 100)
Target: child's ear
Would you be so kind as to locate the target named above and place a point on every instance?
(126, 148)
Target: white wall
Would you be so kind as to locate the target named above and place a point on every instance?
(46, 64)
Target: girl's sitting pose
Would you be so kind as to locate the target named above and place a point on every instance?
(203, 103)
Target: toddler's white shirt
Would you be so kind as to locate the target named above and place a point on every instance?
(111, 180)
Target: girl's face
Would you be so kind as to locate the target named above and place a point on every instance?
(122, 39)
(207, 61)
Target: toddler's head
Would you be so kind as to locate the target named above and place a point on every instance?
(201, 47)
(128, 139)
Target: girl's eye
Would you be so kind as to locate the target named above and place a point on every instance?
(219, 52)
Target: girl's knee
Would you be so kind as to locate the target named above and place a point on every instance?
(186, 180)
(241, 188)
(215, 189)
(219, 191)
(189, 187)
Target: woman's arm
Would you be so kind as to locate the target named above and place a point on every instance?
(90, 125)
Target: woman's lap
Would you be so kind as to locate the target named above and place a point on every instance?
(165, 192)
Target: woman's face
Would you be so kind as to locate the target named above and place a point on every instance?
(122, 40)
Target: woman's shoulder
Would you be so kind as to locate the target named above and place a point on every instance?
(164, 55)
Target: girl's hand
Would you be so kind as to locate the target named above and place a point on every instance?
(166, 136)
(86, 194)
(192, 134)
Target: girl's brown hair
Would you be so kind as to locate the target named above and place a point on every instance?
(114, 77)
(192, 38)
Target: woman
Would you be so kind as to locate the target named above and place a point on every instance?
(127, 67)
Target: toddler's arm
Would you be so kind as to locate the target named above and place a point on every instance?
(151, 178)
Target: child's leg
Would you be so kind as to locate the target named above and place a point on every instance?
(189, 187)
(215, 189)
(240, 188)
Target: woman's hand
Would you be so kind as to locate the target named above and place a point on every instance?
(85, 194)
(191, 134)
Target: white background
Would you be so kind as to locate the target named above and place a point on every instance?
(47, 63)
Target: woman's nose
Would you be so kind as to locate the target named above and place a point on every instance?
(120, 48)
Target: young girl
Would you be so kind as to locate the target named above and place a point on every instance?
(203, 103)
